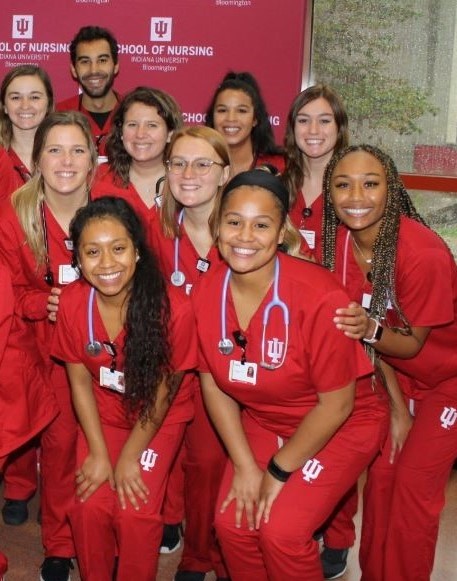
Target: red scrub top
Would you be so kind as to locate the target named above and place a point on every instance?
(30, 288)
(72, 335)
(99, 134)
(308, 220)
(426, 290)
(188, 258)
(27, 404)
(107, 184)
(319, 358)
(13, 173)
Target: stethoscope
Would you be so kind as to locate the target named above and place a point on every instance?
(178, 278)
(225, 344)
(93, 347)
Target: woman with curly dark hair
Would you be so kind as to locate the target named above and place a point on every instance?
(142, 127)
(317, 127)
(238, 112)
(122, 369)
(405, 277)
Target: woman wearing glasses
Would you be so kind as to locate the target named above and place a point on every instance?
(34, 243)
(26, 97)
(198, 166)
(142, 127)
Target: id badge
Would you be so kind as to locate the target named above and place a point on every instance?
(112, 379)
(67, 274)
(243, 372)
(366, 301)
(310, 237)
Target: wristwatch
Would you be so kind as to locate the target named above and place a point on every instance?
(377, 333)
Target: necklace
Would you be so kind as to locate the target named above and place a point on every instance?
(367, 260)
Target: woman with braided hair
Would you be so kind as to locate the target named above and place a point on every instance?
(405, 277)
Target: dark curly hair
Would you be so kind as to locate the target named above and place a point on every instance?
(385, 246)
(146, 347)
(91, 33)
(263, 142)
(118, 158)
(296, 168)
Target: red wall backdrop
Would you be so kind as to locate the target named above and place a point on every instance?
(181, 46)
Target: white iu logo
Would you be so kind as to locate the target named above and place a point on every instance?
(148, 459)
(22, 26)
(275, 348)
(312, 469)
(448, 417)
(161, 29)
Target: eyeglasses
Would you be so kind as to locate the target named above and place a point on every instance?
(200, 167)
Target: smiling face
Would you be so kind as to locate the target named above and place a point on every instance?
(26, 102)
(188, 188)
(65, 161)
(107, 257)
(250, 230)
(94, 68)
(144, 133)
(315, 130)
(234, 116)
(359, 192)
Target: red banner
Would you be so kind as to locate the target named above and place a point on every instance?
(184, 47)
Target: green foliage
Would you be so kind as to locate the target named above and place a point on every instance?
(353, 50)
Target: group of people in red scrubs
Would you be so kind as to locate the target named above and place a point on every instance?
(207, 329)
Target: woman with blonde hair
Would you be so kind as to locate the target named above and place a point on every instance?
(34, 243)
(198, 166)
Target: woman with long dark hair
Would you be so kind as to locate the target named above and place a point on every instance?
(238, 112)
(123, 367)
(317, 127)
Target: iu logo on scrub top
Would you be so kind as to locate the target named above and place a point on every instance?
(275, 348)
(22, 26)
(148, 459)
(448, 417)
(312, 469)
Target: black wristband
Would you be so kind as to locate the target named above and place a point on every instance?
(277, 472)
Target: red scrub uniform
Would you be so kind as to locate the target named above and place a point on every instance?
(59, 439)
(98, 133)
(106, 184)
(203, 464)
(27, 405)
(308, 220)
(99, 524)
(318, 358)
(13, 172)
(403, 500)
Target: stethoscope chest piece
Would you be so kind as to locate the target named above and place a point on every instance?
(177, 278)
(94, 348)
(225, 346)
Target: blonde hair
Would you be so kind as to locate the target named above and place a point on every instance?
(27, 200)
(170, 206)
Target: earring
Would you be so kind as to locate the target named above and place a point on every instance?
(137, 258)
